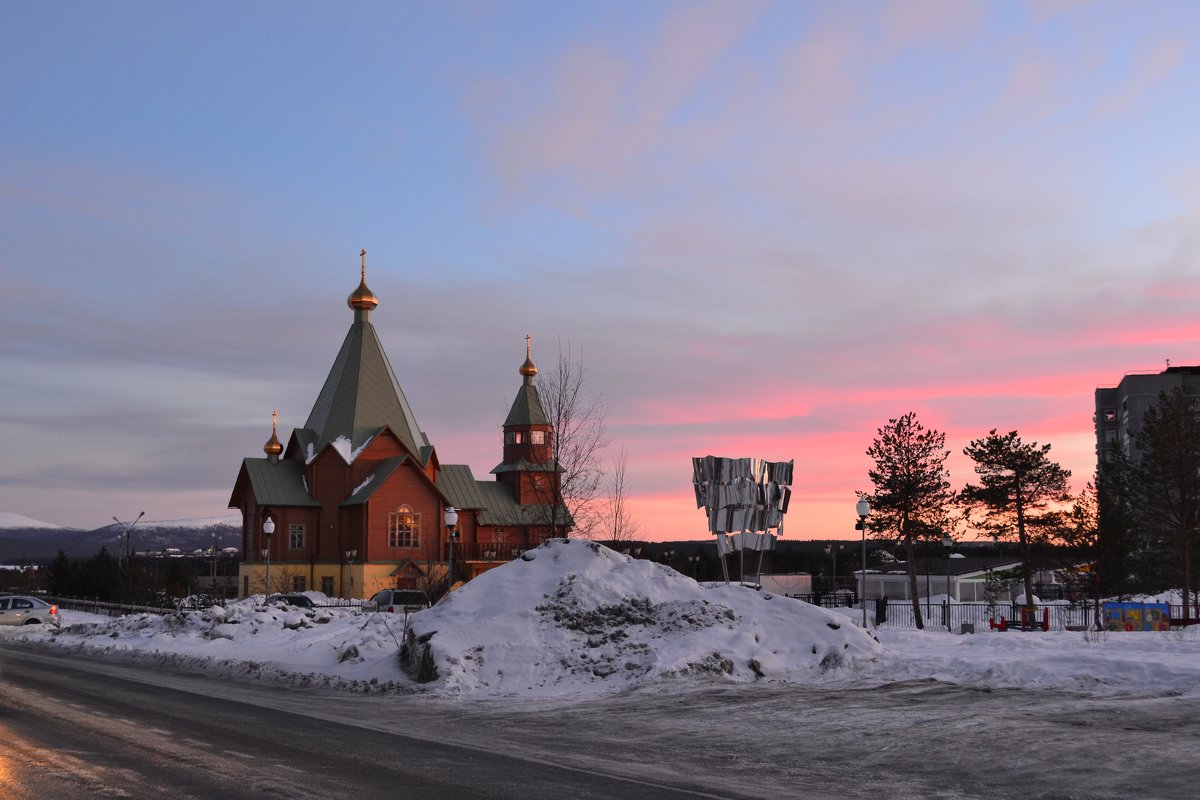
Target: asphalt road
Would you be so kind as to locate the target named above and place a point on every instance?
(70, 728)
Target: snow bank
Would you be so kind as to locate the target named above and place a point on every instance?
(574, 616)
(342, 648)
(577, 620)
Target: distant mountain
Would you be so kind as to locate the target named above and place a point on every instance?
(226, 521)
(8, 521)
(40, 542)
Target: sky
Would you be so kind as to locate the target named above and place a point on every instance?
(768, 228)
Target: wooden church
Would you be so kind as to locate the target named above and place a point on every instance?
(357, 500)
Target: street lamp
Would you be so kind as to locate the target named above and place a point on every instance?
(863, 509)
(268, 529)
(948, 543)
(451, 521)
(832, 552)
(126, 532)
(350, 554)
(695, 560)
(213, 572)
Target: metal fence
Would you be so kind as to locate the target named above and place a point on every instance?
(193, 603)
(106, 608)
(952, 616)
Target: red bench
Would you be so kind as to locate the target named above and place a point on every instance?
(1029, 622)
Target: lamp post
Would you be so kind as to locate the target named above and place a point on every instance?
(213, 572)
(451, 521)
(667, 556)
(694, 561)
(126, 533)
(268, 529)
(350, 554)
(863, 509)
(832, 552)
(948, 543)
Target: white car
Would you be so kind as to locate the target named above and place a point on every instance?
(18, 610)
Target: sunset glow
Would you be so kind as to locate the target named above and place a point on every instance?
(768, 228)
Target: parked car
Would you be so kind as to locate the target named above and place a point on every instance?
(391, 601)
(297, 600)
(21, 610)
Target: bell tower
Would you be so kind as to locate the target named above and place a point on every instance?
(528, 465)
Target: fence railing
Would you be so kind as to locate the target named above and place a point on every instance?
(952, 616)
(194, 603)
(109, 609)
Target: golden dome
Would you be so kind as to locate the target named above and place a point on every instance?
(273, 447)
(362, 298)
(528, 369)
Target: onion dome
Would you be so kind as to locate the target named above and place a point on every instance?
(273, 448)
(528, 369)
(362, 298)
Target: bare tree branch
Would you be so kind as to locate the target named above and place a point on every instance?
(619, 526)
(580, 435)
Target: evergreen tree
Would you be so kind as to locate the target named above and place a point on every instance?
(912, 495)
(1020, 493)
(59, 578)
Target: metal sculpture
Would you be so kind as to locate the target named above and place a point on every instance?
(745, 499)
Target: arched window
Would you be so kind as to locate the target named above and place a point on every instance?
(404, 528)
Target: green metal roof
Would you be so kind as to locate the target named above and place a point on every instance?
(361, 395)
(493, 500)
(525, 466)
(527, 407)
(378, 476)
(277, 484)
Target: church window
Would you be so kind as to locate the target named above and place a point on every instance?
(327, 584)
(404, 528)
(295, 537)
(298, 583)
(537, 437)
(518, 437)
(510, 437)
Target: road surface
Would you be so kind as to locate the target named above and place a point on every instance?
(73, 727)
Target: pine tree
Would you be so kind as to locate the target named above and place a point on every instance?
(1020, 493)
(912, 496)
(59, 578)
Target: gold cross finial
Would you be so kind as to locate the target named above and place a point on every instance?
(527, 340)
(364, 263)
(274, 420)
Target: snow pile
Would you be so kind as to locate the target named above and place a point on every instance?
(1093, 663)
(577, 620)
(575, 616)
(338, 647)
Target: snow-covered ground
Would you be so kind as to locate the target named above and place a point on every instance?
(574, 621)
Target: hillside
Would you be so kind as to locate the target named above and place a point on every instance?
(24, 540)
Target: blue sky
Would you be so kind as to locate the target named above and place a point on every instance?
(769, 227)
